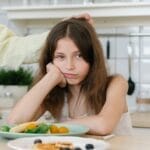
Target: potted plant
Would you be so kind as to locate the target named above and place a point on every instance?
(13, 85)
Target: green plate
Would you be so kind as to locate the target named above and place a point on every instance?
(74, 129)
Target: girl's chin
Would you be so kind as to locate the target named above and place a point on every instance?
(72, 82)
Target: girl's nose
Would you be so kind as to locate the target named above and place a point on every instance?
(70, 64)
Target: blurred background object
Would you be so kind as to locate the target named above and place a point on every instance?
(13, 85)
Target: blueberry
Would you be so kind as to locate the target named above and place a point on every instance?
(89, 146)
(37, 141)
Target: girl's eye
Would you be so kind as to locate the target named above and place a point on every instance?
(61, 57)
(79, 56)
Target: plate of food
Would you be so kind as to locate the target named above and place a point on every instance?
(58, 143)
(30, 129)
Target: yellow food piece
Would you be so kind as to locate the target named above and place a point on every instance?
(22, 127)
(54, 129)
(31, 126)
(63, 129)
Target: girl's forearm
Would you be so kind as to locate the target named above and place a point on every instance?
(96, 124)
(28, 106)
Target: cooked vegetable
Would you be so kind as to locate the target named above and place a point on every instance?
(5, 128)
(63, 129)
(22, 127)
(31, 126)
(35, 127)
(54, 129)
(41, 128)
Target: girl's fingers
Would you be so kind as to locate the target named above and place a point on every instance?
(86, 16)
(56, 70)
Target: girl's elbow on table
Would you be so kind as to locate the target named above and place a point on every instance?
(102, 127)
(104, 130)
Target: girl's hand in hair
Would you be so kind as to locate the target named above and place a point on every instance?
(85, 16)
(56, 71)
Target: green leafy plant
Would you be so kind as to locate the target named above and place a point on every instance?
(16, 77)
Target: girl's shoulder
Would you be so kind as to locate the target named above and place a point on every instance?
(117, 81)
(117, 91)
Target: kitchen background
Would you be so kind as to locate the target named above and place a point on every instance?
(119, 43)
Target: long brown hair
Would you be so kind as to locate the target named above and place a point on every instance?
(95, 84)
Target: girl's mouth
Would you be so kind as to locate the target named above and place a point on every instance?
(70, 76)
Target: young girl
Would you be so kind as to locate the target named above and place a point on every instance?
(73, 83)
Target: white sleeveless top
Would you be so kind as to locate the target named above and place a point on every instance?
(124, 126)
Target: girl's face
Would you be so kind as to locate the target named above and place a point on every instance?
(69, 60)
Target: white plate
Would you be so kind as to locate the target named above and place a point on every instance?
(28, 142)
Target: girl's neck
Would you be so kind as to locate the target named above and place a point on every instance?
(75, 89)
(77, 101)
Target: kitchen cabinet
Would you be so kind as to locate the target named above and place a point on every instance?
(112, 14)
